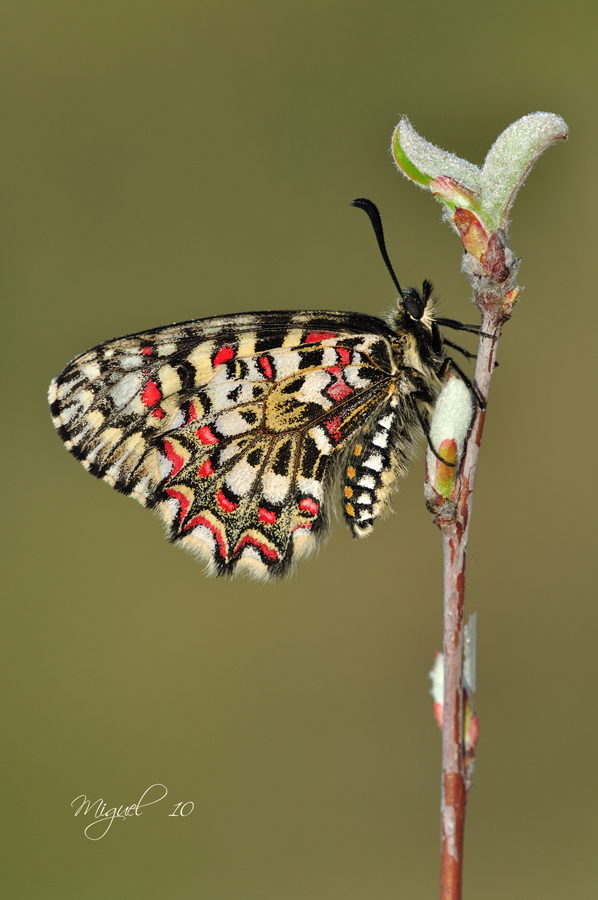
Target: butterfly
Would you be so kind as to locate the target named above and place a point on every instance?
(235, 429)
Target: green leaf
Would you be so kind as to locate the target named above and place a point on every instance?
(423, 162)
(512, 156)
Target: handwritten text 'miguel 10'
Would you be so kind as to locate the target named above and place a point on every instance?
(103, 818)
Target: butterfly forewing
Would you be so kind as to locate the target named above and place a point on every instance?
(235, 428)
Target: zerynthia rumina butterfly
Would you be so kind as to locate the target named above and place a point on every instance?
(235, 429)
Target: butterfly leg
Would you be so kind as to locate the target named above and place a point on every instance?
(425, 424)
(449, 363)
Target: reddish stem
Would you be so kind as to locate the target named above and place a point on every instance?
(454, 524)
(454, 793)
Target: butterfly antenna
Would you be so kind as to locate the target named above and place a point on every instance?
(372, 210)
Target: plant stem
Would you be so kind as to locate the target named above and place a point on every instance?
(455, 532)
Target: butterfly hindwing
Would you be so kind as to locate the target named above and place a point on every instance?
(235, 428)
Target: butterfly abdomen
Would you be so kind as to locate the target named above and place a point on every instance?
(379, 458)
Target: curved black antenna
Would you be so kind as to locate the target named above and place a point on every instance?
(372, 210)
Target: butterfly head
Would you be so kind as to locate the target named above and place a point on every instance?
(415, 313)
(415, 322)
(417, 309)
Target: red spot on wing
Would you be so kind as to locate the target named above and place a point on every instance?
(206, 469)
(184, 501)
(158, 413)
(339, 389)
(201, 520)
(192, 415)
(224, 503)
(314, 337)
(206, 436)
(344, 356)
(303, 526)
(264, 364)
(147, 351)
(267, 516)
(224, 354)
(309, 506)
(151, 394)
(177, 461)
(332, 426)
(268, 552)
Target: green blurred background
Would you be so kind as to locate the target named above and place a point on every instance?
(171, 160)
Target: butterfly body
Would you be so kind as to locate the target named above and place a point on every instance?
(236, 428)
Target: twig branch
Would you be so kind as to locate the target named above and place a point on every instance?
(454, 523)
(476, 203)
